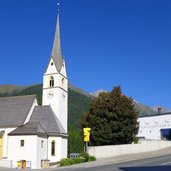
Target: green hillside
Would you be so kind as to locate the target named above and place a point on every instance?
(78, 100)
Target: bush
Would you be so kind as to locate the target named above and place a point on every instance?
(79, 160)
(92, 158)
(135, 140)
(84, 155)
(68, 161)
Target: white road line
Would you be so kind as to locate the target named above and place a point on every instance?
(165, 163)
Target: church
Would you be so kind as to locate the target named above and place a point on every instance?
(31, 135)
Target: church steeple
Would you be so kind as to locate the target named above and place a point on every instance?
(56, 53)
(55, 81)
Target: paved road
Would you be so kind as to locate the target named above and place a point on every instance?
(160, 163)
(151, 161)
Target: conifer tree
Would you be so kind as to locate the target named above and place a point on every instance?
(112, 118)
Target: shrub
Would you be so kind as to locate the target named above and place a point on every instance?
(92, 158)
(79, 160)
(135, 140)
(84, 155)
(66, 162)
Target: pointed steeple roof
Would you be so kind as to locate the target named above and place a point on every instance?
(56, 54)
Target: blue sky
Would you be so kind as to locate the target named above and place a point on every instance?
(105, 43)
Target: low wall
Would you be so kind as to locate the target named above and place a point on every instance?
(6, 163)
(117, 150)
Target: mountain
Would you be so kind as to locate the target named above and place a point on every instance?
(96, 93)
(79, 100)
(142, 109)
(163, 109)
(6, 88)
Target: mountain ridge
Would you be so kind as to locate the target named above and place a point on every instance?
(79, 100)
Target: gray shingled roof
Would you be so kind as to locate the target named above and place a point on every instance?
(30, 128)
(48, 120)
(14, 110)
(56, 54)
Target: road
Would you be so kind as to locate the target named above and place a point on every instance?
(161, 163)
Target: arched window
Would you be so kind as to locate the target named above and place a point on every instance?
(53, 148)
(51, 82)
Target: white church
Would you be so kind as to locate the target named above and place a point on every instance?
(31, 135)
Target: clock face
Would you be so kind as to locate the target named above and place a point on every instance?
(50, 94)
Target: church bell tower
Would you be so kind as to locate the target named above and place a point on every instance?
(55, 82)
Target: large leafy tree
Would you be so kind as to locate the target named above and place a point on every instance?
(112, 118)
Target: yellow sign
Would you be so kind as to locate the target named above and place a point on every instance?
(86, 134)
(86, 138)
(18, 163)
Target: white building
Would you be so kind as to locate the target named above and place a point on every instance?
(31, 134)
(156, 126)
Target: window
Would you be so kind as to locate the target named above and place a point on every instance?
(53, 148)
(42, 144)
(51, 82)
(51, 63)
(62, 82)
(22, 143)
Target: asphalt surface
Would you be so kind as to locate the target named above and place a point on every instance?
(120, 159)
(153, 161)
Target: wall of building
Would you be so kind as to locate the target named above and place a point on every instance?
(64, 149)
(28, 152)
(6, 163)
(42, 148)
(58, 149)
(117, 150)
(5, 140)
(149, 127)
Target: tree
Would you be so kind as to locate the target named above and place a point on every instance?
(75, 144)
(112, 118)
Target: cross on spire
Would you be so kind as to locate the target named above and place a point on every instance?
(58, 6)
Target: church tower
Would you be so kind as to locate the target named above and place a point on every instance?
(55, 82)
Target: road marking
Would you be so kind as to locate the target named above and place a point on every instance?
(165, 163)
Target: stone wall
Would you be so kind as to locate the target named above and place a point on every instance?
(117, 150)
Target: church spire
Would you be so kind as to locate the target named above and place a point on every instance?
(56, 54)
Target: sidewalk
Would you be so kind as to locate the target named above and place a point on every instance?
(118, 159)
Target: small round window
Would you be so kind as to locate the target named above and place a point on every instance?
(51, 63)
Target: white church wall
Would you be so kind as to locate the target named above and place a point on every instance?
(5, 140)
(63, 110)
(64, 151)
(58, 103)
(149, 127)
(28, 152)
(58, 149)
(51, 67)
(63, 70)
(42, 147)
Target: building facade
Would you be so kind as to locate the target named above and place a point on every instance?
(156, 127)
(32, 134)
